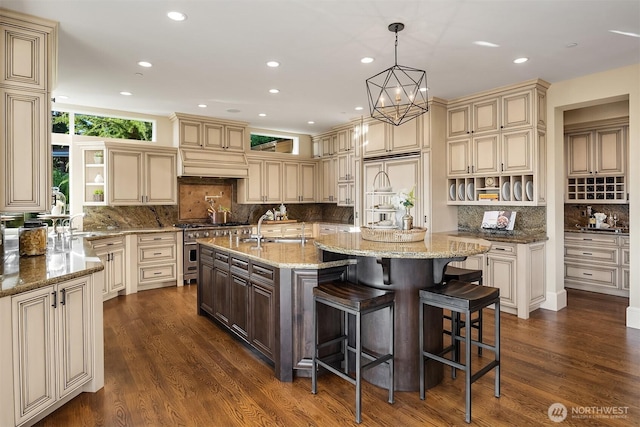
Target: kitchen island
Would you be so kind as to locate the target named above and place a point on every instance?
(240, 283)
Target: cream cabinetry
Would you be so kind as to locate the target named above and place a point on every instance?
(264, 183)
(156, 256)
(346, 140)
(208, 134)
(289, 229)
(26, 80)
(130, 175)
(382, 139)
(299, 182)
(111, 252)
(596, 262)
(597, 163)
(518, 270)
(328, 185)
(52, 345)
(496, 146)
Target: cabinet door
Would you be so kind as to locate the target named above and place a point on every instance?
(190, 134)
(116, 270)
(307, 187)
(239, 306)
(74, 333)
(25, 152)
(160, 178)
(405, 138)
(327, 145)
(125, 177)
(501, 273)
(345, 163)
(485, 154)
(579, 153)
(343, 141)
(458, 119)
(328, 179)
(25, 57)
(234, 138)
(213, 136)
(459, 157)
(376, 139)
(221, 295)
(346, 194)
(290, 182)
(263, 318)
(610, 152)
(485, 116)
(517, 110)
(251, 186)
(516, 153)
(206, 288)
(33, 352)
(272, 181)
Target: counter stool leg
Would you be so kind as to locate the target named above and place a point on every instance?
(467, 376)
(345, 342)
(392, 352)
(480, 328)
(314, 364)
(421, 344)
(358, 367)
(455, 333)
(497, 350)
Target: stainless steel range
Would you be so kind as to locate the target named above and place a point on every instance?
(196, 230)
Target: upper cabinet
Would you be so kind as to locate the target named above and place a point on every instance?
(496, 146)
(210, 147)
(597, 162)
(299, 182)
(264, 183)
(26, 80)
(130, 175)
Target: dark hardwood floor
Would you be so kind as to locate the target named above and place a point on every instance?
(165, 366)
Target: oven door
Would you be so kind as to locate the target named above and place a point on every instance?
(190, 263)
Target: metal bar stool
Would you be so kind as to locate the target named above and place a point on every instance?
(465, 275)
(356, 300)
(465, 298)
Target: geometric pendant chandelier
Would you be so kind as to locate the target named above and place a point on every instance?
(397, 94)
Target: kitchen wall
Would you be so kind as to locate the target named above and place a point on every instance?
(529, 219)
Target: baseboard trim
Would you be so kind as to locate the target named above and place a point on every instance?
(555, 301)
(633, 317)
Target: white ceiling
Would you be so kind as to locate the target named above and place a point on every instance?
(218, 55)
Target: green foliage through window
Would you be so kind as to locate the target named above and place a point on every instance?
(262, 139)
(102, 126)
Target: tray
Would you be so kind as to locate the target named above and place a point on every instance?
(393, 235)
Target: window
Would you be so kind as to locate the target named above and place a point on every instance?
(60, 169)
(274, 143)
(101, 126)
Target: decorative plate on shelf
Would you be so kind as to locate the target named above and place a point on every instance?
(452, 192)
(506, 191)
(470, 191)
(517, 190)
(461, 191)
(529, 189)
(489, 182)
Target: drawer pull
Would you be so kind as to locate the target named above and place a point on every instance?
(157, 253)
(500, 249)
(157, 272)
(587, 253)
(157, 238)
(262, 271)
(587, 240)
(587, 274)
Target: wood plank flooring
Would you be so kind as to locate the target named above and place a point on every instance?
(165, 366)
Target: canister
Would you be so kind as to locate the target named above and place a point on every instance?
(32, 238)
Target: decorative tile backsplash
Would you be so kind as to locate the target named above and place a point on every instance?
(576, 214)
(529, 219)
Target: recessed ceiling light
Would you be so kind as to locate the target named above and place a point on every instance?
(177, 16)
(145, 64)
(423, 89)
(273, 64)
(274, 91)
(624, 33)
(125, 93)
(262, 115)
(311, 122)
(486, 44)
(359, 108)
(366, 60)
(520, 60)
(202, 105)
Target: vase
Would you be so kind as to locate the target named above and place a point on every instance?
(407, 220)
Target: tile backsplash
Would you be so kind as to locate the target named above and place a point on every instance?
(576, 214)
(529, 219)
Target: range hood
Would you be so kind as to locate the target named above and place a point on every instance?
(215, 164)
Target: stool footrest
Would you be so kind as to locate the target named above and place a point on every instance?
(333, 341)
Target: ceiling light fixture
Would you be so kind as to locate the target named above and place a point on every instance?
(202, 105)
(145, 64)
(520, 60)
(274, 91)
(176, 16)
(311, 122)
(396, 94)
(262, 115)
(126, 93)
(366, 60)
(273, 64)
(486, 44)
(359, 108)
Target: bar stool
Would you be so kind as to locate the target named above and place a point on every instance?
(465, 275)
(465, 298)
(357, 300)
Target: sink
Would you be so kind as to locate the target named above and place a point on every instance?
(276, 240)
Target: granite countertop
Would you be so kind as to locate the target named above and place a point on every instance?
(280, 255)
(523, 237)
(434, 245)
(66, 258)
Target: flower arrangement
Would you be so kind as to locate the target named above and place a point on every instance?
(405, 198)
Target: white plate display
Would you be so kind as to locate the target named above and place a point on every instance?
(506, 192)
(470, 191)
(461, 191)
(517, 190)
(452, 192)
(529, 189)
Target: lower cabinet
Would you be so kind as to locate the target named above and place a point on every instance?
(240, 294)
(53, 344)
(156, 260)
(111, 252)
(518, 270)
(597, 262)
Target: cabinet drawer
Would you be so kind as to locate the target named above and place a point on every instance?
(503, 249)
(222, 258)
(156, 253)
(597, 239)
(206, 253)
(157, 273)
(591, 275)
(625, 255)
(107, 243)
(263, 273)
(624, 241)
(156, 237)
(594, 254)
(240, 265)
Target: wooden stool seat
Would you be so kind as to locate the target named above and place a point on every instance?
(462, 298)
(352, 300)
(465, 275)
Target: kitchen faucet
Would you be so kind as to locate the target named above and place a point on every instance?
(258, 235)
(69, 222)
